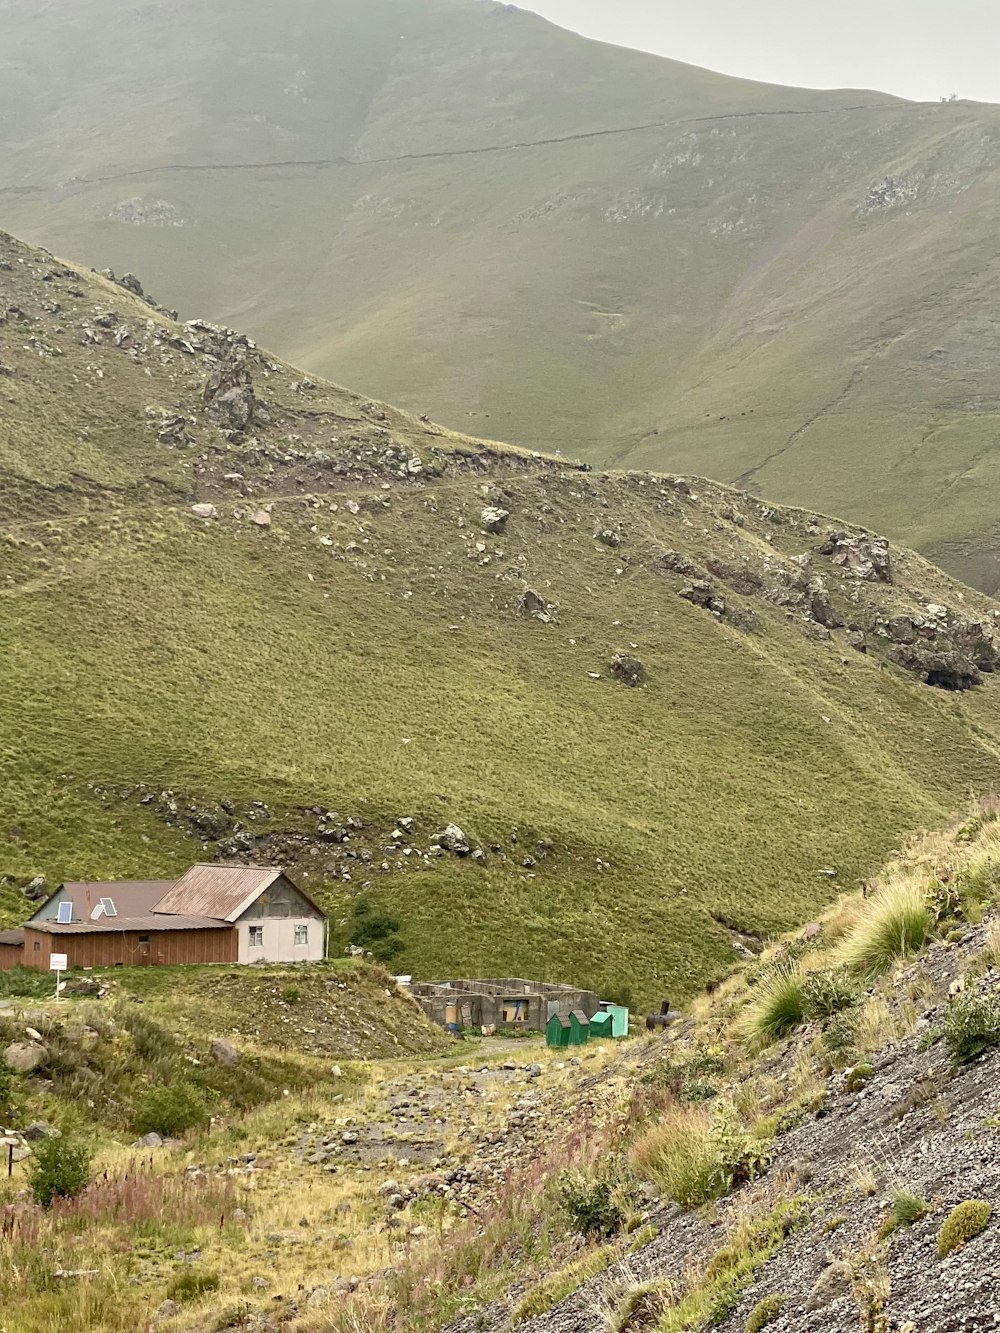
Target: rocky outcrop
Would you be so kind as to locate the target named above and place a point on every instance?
(230, 396)
(701, 593)
(862, 556)
(452, 839)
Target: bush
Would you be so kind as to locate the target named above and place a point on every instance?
(171, 1110)
(893, 925)
(60, 1169)
(905, 1208)
(6, 1091)
(780, 1006)
(828, 993)
(964, 1222)
(596, 1207)
(375, 931)
(190, 1285)
(971, 1026)
(764, 1313)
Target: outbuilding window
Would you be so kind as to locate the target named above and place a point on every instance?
(37, 947)
(143, 939)
(301, 934)
(256, 937)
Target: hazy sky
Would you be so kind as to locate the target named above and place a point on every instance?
(923, 49)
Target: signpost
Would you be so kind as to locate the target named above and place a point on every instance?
(58, 962)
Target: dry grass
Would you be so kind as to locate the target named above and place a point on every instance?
(891, 926)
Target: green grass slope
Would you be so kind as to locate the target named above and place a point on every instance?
(458, 207)
(341, 647)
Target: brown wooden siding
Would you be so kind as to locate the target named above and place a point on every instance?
(10, 956)
(113, 948)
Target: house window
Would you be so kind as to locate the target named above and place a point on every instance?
(301, 934)
(37, 946)
(143, 939)
(256, 937)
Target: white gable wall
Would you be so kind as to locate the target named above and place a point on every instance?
(278, 936)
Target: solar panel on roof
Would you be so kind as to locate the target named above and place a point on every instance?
(65, 914)
(109, 907)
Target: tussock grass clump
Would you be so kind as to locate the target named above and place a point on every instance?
(905, 1208)
(891, 926)
(779, 1008)
(764, 1312)
(971, 1026)
(828, 993)
(191, 1285)
(966, 1221)
(682, 1158)
(694, 1156)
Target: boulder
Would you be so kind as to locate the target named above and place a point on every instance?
(262, 518)
(24, 1057)
(40, 1129)
(150, 1140)
(82, 986)
(452, 839)
(494, 519)
(675, 562)
(856, 639)
(166, 1310)
(224, 1054)
(628, 669)
(533, 604)
(821, 609)
(204, 511)
(35, 890)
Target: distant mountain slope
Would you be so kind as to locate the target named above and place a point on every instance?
(248, 614)
(461, 208)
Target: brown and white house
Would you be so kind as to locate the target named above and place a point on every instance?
(212, 914)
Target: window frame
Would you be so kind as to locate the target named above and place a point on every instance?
(255, 937)
(301, 928)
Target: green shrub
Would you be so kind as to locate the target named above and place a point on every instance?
(828, 993)
(893, 925)
(858, 1077)
(170, 1110)
(963, 1223)
(375, 930)
(60, 1169)
(971, 1026)
(190, 1285)
(905, 1208)
(6, 1090)
(779, 1007)
(597, 1208)
(764, 1313)
(291, 994)
(26, 983)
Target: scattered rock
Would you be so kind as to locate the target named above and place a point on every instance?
(167, 1310)
(832, 1283)
(533, 604)
(608, 537)
(262, 518)
(204, 511)
(35, 890)
(40, 1129)
(150, 1140)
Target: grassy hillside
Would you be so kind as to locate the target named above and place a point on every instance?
(342, 646)
(456, 206)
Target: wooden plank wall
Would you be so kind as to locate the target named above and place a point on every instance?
(121, 948)
(11, 955)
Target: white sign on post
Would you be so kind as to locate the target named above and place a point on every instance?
(58, 962)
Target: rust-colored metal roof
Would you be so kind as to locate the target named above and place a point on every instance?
(223, 892)
(106, 924)
(15, 937)
(131, 897)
